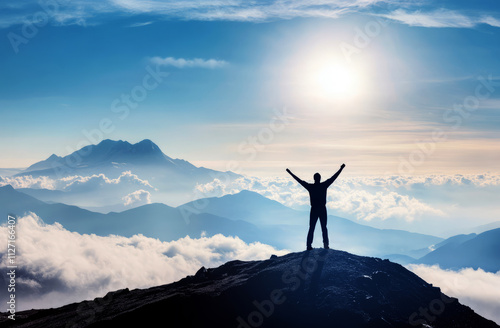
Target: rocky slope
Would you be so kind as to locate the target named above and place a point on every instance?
(319, 288)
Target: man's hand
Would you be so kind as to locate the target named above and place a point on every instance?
(342, 166)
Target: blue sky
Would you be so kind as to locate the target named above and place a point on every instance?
(406, 93)
(232, 65)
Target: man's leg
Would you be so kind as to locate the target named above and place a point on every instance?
(322, 220)
(313, 218)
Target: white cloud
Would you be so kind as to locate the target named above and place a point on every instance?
(78, 182)
(188, 63)
(268, 12)
(74, 183)
(478, 180)
(490, 21)
(439, 18)
(239, 10)
(57, 266)
(344, 196)
(475, 288)
(82, 11)
(138, 197)
(368, 206)
(140, 24)
(29, 182)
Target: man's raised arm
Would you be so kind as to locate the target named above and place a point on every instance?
(303, 183)
(330, 181)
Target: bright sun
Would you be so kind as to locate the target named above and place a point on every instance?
(321, 77)
(334, 81)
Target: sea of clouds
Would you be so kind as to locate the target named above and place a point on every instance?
(477, 289)
(57, 266)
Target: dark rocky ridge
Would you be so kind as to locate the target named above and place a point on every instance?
(319, 288)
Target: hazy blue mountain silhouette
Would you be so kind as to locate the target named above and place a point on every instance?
(467, 251)
(454, 241)
(75, 198)
(418, 253)
(168, 223)
(90, 197)
(249, 206)
(318, 288)
(6, 172)
(109, 152)
(112, 158)
(486, 227)
(17, 203)
(49, 163)
(46, 195)
(153, 220)
(345, 234)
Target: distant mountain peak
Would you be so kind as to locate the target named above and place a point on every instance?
(147, 142)
(53, 157)
(113, 157)
(143, 152)
(49, 163)
(7, 188)
(111, 141)
(107, 152)
(147, 145)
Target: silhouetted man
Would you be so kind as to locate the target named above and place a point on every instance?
(317, 195)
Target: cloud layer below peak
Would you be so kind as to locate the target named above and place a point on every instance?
(57, 266)
(478, 289)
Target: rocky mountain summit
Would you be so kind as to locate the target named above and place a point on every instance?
(318, 288)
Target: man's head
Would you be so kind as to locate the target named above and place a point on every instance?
(317, 177)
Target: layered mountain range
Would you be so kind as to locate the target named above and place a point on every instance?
(248, 215)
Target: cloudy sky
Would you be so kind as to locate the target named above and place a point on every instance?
(406, 87)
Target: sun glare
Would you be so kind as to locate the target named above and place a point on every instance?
(335, 81)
